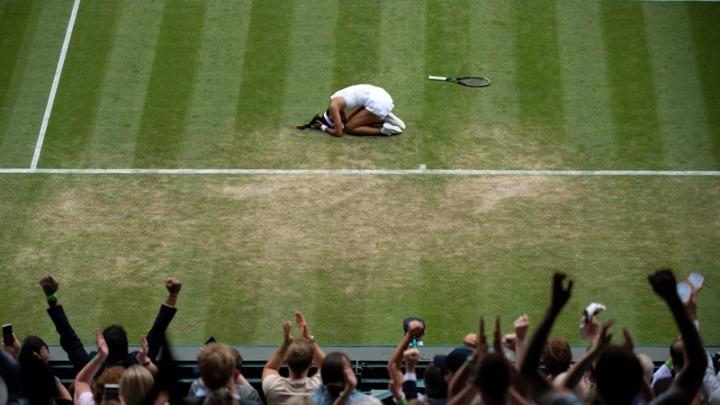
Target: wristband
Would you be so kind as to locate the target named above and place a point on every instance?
(284, 344)
(400, 401)
(668, 364)
(96, 361)
(323, 127)
(51, 297)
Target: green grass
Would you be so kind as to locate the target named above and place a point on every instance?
(602, 85)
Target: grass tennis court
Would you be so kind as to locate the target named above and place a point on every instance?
(192, 85)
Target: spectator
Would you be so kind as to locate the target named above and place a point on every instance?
(136, 385)
(299, 355)
(556, 356)
(217, 364)
(38, 381)
(88, 392)
(114, 335)
(339, 382)
(242, 386)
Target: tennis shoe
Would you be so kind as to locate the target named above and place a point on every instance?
(390, 130)
(393, 119)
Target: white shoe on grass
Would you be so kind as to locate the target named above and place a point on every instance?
(393, 119)
(390, 130)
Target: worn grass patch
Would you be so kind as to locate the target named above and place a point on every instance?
(357, 253)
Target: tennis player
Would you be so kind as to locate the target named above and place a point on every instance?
(371, 112)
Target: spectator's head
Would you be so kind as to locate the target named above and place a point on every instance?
(37, 378)
(493, 377)
(677, 355)
(299, 356)
(216, 364)
(117, 342)
(618, 375)
(238, 362)
(435, 385)
(136, 384)
(34, 348)
(451, 362)
(110, 375)
(412, 320)
(332, 372)
(556, 356)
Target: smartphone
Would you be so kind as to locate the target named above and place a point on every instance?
(53, 281)
(112, 392)
(8, 339)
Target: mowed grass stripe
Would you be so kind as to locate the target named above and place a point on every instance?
(308, 85)
(446, 50)
(210, 124)
(168, 98)
(586, 90)
(21, 112)
(119, 117)
(263, 74)
(633, 97)
(681, 108)
(538, 70)
(706, 36)
(15, 19)
(78, 96)
(357, 44)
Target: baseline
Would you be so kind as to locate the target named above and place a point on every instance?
(422, 170)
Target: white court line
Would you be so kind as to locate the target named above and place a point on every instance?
(55, 84)
(422, 170)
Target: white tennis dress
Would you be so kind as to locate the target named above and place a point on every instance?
(374, 99)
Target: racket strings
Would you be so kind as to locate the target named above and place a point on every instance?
(474, 81)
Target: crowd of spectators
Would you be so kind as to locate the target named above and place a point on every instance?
(514, 369)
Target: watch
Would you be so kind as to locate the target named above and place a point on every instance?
(312, 338)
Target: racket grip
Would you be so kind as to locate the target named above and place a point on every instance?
(440, 78)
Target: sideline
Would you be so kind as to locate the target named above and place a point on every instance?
(422, 170)
(55, 84)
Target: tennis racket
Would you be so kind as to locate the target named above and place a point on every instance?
(470, 81)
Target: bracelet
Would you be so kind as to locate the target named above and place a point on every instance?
(96, 360)
(323, 127)
(51, 297)
(284, 344)
(401, 401)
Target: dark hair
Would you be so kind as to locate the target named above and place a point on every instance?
(117, 342)
(677, 354)
(37, 378)
(435, 385)
(333, 368)
(299, 356)
(238, 359)
(618, 375)
(556, 356)
(492, 377)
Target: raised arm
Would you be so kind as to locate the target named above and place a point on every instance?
(687, 385)
(84, 378)
(414, 330)
(537, 386)
(318, 353)
(272, 367)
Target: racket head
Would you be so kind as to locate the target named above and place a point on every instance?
(474, 81)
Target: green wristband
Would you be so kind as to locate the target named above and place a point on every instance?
(284, 344)
(51, 297)
(96, 361)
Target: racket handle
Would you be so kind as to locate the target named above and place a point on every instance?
(439, 78)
